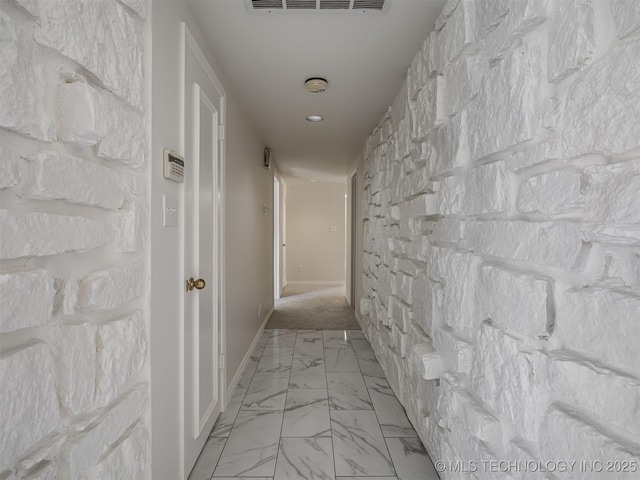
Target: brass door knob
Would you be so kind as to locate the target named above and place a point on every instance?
(197, 284)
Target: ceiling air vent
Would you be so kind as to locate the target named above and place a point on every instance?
(327, 6)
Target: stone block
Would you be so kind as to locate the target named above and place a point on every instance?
(487, 189)
(489, 14)
(457, 34)
(40, 234)
(129, 457)
(600, 322)
(611, 200)
(606, 101)
(448, 230)
(95, 440)
(614, 399)
(458, 272)
(458, 412)
(426, 111)
(23, 83)
(415, 183)
(27, 300)
(509, 108)
(554, 244)
(103, 38)
(130, 226)
(456, 352)
(626, 14)
(463, 80)
(565, 435)
(111, 288)
(61, 177)
(621, 266)
(28, 400)
(78, 367)
(122, 351)
(504, 377)
(556, 192)
(449, 148)
(508, 21)
(428, 361)
(9, 167)
(452, 193)
(87, 116)
(572, 37)
(417, 75)
(514, 301)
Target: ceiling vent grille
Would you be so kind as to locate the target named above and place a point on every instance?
(345, 6)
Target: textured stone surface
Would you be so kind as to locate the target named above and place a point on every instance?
(593, 320)
(552, 193)
(513, 300)
(457, 34)
(564, 435)
(544, 243)
(504, 378)
(76, 181)
(27, 300)
(607, 102)
(518, 297)
(107, 289)
(78, 373)
(128, 457)
(101, 434)
(130, 226)
(104, 39)
(9, 164)
(620, 216)
(626, 14)
(612, 398)
(22, 84)
(74, 190)
(572, 39)
(122, 350)
(27, 400)
(42, 234)
(87, 116)
(509, 107)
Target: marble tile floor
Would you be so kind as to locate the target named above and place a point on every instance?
(313, 405)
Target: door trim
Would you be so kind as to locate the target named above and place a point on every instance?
(190, 44)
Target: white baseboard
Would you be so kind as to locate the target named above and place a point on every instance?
(311, 282)
(236, 378)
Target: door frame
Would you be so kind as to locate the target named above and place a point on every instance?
(351, 236)
(189, 43)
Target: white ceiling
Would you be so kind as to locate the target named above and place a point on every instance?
(267, 57)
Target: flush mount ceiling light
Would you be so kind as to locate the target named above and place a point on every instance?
(314, 118)
(316, 85)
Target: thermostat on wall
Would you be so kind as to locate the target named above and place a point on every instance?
(173, 166)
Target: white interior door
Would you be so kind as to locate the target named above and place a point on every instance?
(202, 253)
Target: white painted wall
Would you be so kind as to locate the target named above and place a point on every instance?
(311, 208)
(501, 244)
(74, 240)
(248, 236)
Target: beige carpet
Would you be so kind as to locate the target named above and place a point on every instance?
(313, 307)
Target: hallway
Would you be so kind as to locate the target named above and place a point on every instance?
(313, 404)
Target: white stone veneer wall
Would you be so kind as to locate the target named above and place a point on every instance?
(73, 192)
(501, 268)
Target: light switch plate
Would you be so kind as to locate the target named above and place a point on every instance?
(169, 211)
